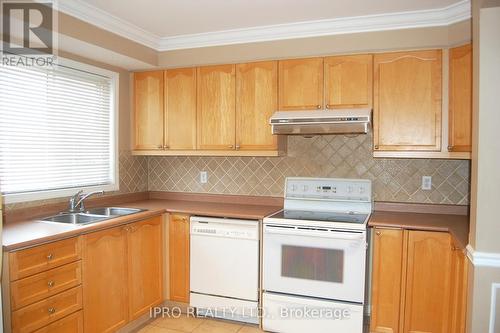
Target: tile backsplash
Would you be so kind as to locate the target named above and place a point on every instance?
(397, 180)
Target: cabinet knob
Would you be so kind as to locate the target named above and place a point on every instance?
(160, 146)
(327, 106)
(231, 146)
(378, 233)
(318, 107)
(51, 310)
(376, 147)
(51, 283)
(50, 256)
(450, 148)
(237, 146)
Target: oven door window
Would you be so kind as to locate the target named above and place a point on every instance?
(312, 263)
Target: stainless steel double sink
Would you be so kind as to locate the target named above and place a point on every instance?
(91, 215)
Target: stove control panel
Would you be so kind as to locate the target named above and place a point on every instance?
(328, 189)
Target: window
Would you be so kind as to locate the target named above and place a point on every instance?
(57, 130)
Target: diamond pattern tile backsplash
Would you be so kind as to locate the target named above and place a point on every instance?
(397, 180)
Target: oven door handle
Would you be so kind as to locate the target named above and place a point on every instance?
(314, 233)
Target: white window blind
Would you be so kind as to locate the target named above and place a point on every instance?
(56, 129)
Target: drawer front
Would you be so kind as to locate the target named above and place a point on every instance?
(44, 257)
(69, 324)
(42, 285)
(42, 313)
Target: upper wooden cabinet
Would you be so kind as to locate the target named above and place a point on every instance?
(407, 103)
(301, 84)
(179, 257)
(148, 112)
(256, 100)
(180, 108)
(349, 81)
(460, 98)
(216, 107)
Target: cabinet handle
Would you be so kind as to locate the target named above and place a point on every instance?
(450, 148)
(51, 283)
(166, 147)
(455, 248)
(318, 107)
(376, 147)
(237, 146)
(231, 146)
(328, 106)
(50, 256)
(378, 233)
(127, 229)
(51, 310)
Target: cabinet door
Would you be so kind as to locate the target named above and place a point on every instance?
(427, 301)
(407, 101)
(216, 107)
(301, 84)
(180, 101)
(148, 119)
(179, 257)
(458, 311)
(105, 280)
(460, 95)
(349, 81)
(387, 280)
(144, 241)
(256, 100)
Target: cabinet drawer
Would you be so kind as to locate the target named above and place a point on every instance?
(70, 324)
(44, 257)
(49, 310)
(42, 285)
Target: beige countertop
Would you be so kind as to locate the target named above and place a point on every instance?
(21, 234)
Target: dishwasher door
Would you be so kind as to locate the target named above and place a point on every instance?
(224, 257)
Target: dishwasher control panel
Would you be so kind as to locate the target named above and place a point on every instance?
(240, 229)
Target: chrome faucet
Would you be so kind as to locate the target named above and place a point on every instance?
(76, 202)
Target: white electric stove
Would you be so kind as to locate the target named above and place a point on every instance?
(314, 254)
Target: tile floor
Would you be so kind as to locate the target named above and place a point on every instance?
(186, 324)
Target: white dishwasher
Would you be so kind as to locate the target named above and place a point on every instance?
(224, 268)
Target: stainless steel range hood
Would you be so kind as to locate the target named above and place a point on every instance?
(340, 121)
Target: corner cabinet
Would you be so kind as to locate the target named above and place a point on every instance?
(407, 101)
(179, 257)
(460, 99)
(418, 283)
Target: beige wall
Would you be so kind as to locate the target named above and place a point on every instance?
(434, 37)
(485, 175)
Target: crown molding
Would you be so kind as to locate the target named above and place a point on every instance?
(488, 259)
(457, 12)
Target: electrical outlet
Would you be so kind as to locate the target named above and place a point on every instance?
(426, 183)
(203, 177)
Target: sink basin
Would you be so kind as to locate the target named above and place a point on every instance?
(113, 211)
(92, 215)
(75, 218)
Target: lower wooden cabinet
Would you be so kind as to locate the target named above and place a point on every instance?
(179, 257)
(418, 283)
(122, 274)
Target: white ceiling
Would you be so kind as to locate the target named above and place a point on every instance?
(163, 23)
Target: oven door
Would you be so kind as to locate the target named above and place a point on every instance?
(318, 262)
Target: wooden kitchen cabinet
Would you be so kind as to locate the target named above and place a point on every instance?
(418, 283)
(407, 101)
(105, 280)
(460, 99)
(148, 110)
(122, 274)
(349, 81)
(300, 84)
(180, 109)
(179, 257)
(386, 280)
(145, 277)
(256, 101)
(216, 107)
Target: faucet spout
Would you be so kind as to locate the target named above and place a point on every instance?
(76, 202)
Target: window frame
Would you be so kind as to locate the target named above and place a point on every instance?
(114, 142)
